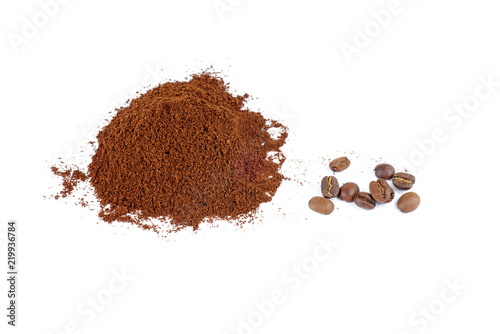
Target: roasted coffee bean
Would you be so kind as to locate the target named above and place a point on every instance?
(330, 187)
(321, 205)
(409, 202)
(340, 164)
(403, 181)
(384, 171)
(381, 191)
(348, 191)
(365, 201)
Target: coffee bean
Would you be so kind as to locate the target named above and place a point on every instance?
(348, 191)
(340, 164)
(365, 201)
(321, 205)
(330, 187)
(403, 181)
(381, 191)
(384, 171)
(409, 202)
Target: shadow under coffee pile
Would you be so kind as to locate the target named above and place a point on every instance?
(188, 151)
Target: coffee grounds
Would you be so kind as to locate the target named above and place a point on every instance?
(71, 178)
(188, 151)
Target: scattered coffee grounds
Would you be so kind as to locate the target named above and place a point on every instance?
(70, 180)
(188, 151)
(380, 190)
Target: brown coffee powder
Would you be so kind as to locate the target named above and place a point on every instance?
(189, 151)
(71, 178)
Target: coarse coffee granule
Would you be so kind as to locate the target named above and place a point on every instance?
(188, 151)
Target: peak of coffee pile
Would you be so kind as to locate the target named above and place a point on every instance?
(188, 151)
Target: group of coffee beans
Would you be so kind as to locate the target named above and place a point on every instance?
(380, 190)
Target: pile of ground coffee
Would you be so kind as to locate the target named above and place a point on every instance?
(189, 151)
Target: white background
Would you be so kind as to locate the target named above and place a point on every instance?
(67, 77)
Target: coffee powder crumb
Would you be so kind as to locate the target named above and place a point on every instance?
(70, 180)
(185, 152)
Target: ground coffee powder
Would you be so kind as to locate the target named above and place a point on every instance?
(186, 150)
(71, 178)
